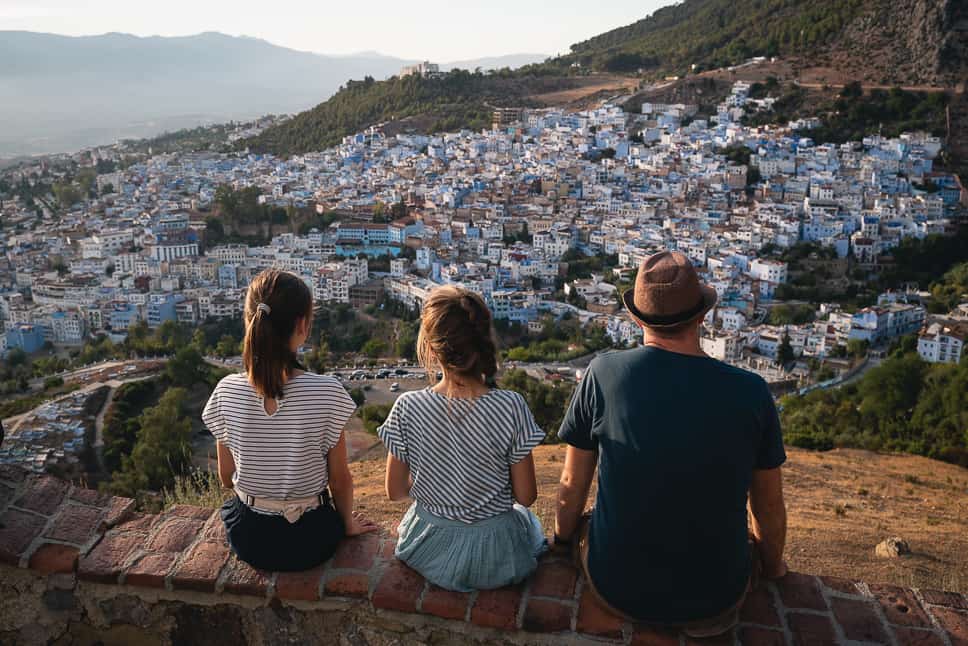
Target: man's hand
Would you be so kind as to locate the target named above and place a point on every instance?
(576, 480)
(768, 520)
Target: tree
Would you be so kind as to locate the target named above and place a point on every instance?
(784, 353)
(187, 367)
(858, 348)
(374, 348)
(358, 396)
(162, 449)
(226, 347)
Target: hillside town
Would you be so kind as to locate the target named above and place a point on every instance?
(503, 212)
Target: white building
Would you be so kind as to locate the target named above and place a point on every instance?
(942, 341)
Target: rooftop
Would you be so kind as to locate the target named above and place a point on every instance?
(77, 544)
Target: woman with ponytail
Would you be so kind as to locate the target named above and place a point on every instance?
(462, 451)
(279, 438)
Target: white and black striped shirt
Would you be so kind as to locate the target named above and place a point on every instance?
(282, 455)
(460, 451)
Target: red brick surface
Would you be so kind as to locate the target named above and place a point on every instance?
(43, 494)
(811, 630)
(91, 497)
(348, 585)
(357, 553)
(445, 603)
(652, 636)
(174, 534)
(75, 524)
(545, 616)
(594, 619)
(200, 567)
(760, 608)
(138, 523)
(838, 584)
(954, 623)
(916, 636)
(388, 549)
(11, 473)
(859, 620)
(119, 510)
(242, 578)
(900, 606)
(17, 529)
(726, 639)
(188, 511)
(51, 558)
(299, 586)
(801, 591)
(105, 562)
(756, 636)
(399, 588)
(150, 570)
(6, 495)
(554, 578)
(946, 599)
(497, 608)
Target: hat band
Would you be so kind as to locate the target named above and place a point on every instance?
(669, 319)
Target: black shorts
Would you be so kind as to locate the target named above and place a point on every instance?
(270, 542)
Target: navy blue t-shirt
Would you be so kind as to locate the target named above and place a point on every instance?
(678, 438)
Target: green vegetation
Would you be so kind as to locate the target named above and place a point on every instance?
(199, 488)
(890, 112)
(791, 315)
(923, 261)
(373, 415)
(560, 340)
(27, 403)
(547, 401)
(905, 404)
(121, 422)
(455, 100)
(714, 33)
(951, 290)
(582, 266)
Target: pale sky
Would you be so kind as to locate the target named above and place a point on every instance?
(438, 30)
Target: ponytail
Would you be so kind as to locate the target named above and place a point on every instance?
(456, 334)
(275, 302)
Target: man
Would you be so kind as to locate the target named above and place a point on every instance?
(680, 440)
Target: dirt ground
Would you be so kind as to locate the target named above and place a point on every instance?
(589, 85)
(840, 505)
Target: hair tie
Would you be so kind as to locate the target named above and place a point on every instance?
(262, 307)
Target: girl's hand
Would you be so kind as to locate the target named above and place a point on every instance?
(360, 524)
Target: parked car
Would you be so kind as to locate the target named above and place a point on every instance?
(394, 387)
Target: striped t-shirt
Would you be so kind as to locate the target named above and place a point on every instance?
(283, 455)
(460, 451)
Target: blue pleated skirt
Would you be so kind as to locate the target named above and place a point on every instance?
(488, 554)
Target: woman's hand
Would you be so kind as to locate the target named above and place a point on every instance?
(360, 524)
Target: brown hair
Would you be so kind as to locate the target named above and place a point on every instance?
(275, 302)
(456, 334)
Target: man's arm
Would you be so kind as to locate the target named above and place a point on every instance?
(576, 480)
(769, 519)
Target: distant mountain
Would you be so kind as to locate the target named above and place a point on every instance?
(909, 42)
(61, 93)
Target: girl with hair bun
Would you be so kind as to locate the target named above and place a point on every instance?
(461, 450)
(279, 438)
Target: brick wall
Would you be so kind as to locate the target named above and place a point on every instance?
(82, 564)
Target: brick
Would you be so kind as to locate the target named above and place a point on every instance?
(544, 616)
(554, 578)
(900, 606)
(174, 534)
(654, 636)
(756, 636)
(837, 584)
(17, 530)
(728, 638)
(91, 497)
(7, 494)
(150, 570)
(595, 619)
(242, 578)
(348, 585)
(12, 473)
(43, 494)
(399, 588)
(760, 608)
(75, 524)
(388, 551)
(51, 558)
(119, 510)
(215, 530)
(357, 553)
(299, 586)
(859, 620)
(497, 608)
(946, 599)
(106, 561)
(200, 567)
(800, 591)
(445, 603)
(811, 630)
(189, 511)
(916, 636)
(138, 523)
(955, 624)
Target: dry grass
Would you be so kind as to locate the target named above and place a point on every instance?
(840, 504)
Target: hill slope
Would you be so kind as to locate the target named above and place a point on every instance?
(908, 42)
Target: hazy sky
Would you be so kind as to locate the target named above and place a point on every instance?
(441, 30)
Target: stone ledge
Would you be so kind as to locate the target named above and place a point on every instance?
(74, 539)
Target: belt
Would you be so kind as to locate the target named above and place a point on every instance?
(292, 508)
